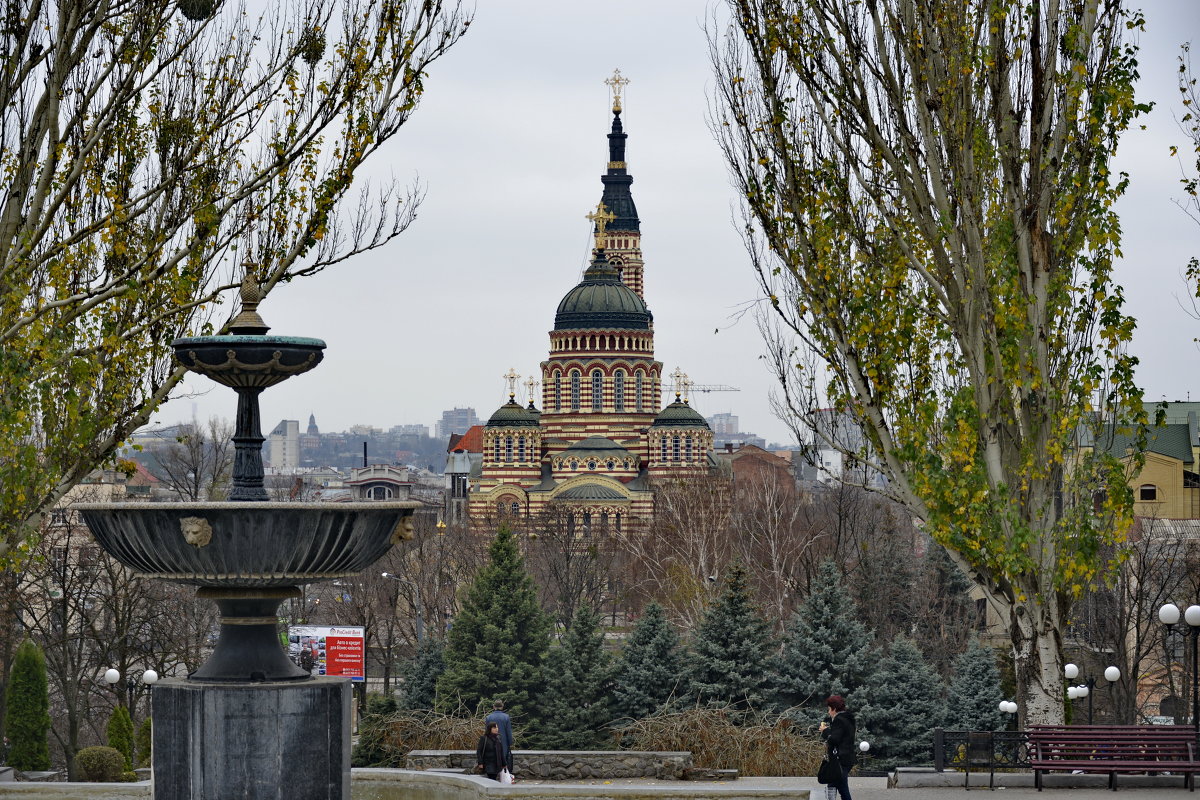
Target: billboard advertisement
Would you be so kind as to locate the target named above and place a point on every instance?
(334, 650)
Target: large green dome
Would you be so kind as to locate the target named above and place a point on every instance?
(602, 301)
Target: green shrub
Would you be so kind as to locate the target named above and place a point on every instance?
(27, 720)
(100, 764)
(129, 777)
(144, 742)
(381, 704)
(120, 734)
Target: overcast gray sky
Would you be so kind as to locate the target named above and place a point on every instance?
(509, 143)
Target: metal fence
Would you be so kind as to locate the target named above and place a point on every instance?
(980, 751)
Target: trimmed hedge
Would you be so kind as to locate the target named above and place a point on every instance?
(101, 764)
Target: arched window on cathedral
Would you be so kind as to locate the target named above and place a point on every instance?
(619, 390)
(587, 523)
(500, 508)
(496, 452)
(637, 388)
(662, 454)
(574, 390)
(603, 521)
(516, 508)
(675, 447)
(557, 391)
(508, 449)
(687, 448)
(617, 522)
(521, 448)
(597, 390)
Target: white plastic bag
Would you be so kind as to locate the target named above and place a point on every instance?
(506, 776)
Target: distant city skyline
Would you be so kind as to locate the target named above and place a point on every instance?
(510, 154)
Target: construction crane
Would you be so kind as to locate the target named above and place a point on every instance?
(711, 387)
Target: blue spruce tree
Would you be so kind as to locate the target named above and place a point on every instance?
(649, 669)
(495, 648)
(731, 650)
(421, 674)
(826, 649)
(975, 694)
(907, 701)
(576, 707)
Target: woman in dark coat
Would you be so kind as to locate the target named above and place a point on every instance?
(838, 734)
(491, 754)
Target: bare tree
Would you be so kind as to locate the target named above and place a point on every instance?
(197, 463)
(773, 533)
(572, 564)
(1119, 621)
(679, 559)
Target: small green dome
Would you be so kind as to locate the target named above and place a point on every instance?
(513, 415)
(679, 415)
(598, 447)
(602, 301)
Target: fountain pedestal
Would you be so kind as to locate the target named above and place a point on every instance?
(249, 724)
(210, 740)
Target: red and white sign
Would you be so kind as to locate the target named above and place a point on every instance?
(337, 651)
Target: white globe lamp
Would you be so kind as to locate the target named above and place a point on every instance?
(1112, 674)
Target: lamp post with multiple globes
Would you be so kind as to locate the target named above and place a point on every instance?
(1169, 616)
(1086, 689)
(148, 678)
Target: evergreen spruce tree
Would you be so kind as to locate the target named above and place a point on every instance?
(495, 648)
(975, 693)
(577, 706)
(119, 734)
(648, 671)
(421, 674)
(27, 718)
(907, 701)
(827, 649)
(730, 660)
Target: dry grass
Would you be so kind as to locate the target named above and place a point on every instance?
(390, 737)
(723, 739)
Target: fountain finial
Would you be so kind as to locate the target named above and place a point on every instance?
(248, 322)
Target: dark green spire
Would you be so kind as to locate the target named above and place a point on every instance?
(617, 180)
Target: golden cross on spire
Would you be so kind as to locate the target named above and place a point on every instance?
(688, 383)
(617, 84)
(531, 385)
(601, 216)
(512, 377)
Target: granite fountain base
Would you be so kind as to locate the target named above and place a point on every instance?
(285, 740)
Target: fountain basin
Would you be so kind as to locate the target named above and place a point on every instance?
(248, 360)
(248, 545)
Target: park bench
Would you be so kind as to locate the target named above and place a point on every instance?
(1114, 749)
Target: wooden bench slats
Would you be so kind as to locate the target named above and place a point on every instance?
(1114, 749)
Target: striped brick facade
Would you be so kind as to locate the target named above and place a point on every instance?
(594, 450)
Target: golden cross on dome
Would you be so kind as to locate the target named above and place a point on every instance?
(512, 377)
(617, 84)
(680, 379)
(601, 216)
(688, 383)
(531, 384)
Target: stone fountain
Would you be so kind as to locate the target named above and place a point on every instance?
(249, 723)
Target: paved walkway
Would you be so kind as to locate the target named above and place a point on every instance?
(876, 789)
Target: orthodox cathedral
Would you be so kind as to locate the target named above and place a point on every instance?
(600, 443)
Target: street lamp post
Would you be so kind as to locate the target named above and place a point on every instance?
(1086, 689)
(1169, 615)
(148, 678)
(416, 603)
